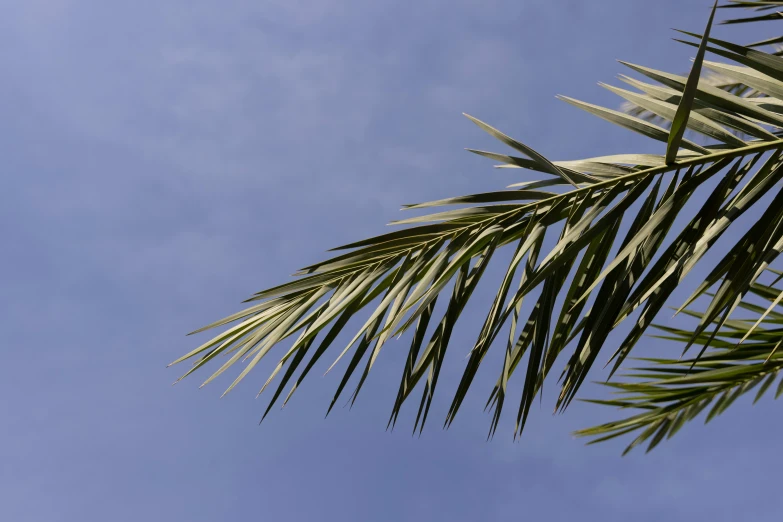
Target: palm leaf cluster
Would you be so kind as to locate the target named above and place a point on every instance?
(764, 12)
(745, 355)
(607, 219)
(723, 81)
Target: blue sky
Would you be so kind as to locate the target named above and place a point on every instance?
(165, 160)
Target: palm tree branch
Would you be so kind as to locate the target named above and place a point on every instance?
(400, 275)
(672, 392)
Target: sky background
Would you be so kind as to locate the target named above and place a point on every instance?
(163, 160)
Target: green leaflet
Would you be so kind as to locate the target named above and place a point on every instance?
(543, 163)
(691, 85)
(754, 79)
(764, 62)
(713, 114)
(513, 161)
(696, 121)
(631, 123)
(488, 197)
(712, 95)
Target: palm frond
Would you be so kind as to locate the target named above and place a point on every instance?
(397, 278)
(743, 355)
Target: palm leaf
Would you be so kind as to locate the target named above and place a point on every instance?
(394, 280)
(745, 354)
